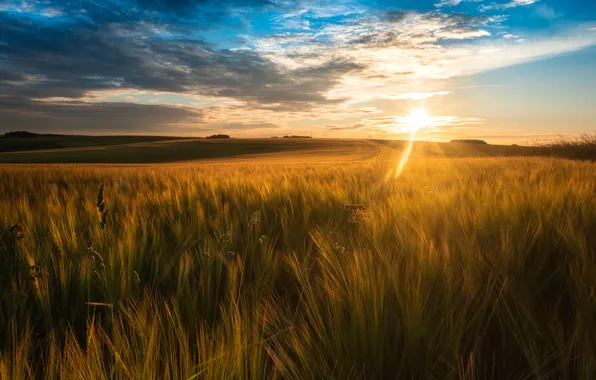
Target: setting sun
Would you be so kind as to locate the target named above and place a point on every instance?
(414, 122)
(417, 120)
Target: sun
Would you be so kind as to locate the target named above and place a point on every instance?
(417, 120)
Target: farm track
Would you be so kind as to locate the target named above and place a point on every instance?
(376, 152)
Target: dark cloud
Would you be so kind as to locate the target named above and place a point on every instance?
(396, 16)
(69, 59)
(148, 45)
(439, 25)
(183, 6)
(202, 14)
(456, 20)
(353, 127)
(23, 114)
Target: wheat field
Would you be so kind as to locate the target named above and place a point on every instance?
(462, 268)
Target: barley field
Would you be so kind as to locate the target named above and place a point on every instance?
(460, 268)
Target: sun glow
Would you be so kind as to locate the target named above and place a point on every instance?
(415, 121)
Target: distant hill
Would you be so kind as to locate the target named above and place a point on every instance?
(478, 142)
(296, 137)
(27, 141)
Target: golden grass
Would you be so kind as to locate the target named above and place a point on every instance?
(459, 269)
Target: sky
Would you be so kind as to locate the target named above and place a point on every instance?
(506, 71)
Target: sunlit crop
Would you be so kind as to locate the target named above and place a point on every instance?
(459, 268)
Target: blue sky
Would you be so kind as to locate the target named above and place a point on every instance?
(503, 70)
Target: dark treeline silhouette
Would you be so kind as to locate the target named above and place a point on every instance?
(25, 134)
(464, 141)
(25, 141)
(218, 137)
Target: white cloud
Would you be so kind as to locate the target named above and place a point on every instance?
(477, 60)
(415, 95)
(401, 125)
(511, 4)
(462, 34)
(513, 37)
(394, 54)
(448, 3)
(547, 12)
(51, 12)
(453, 3)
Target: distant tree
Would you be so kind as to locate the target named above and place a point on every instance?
(20, 134)
(463, 141)
(218, 137)
(296, 137)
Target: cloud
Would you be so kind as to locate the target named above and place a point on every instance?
(511, 4)
(80, 117)
(207, 64)
(397, 16)
(73, 61)
(397, 126)
(547, 12)
(181, 6)
(462, 34)
(415, 44)
(52, 12)
(199, 13)
(242, 126)
(415, 95)
(338, 127)
(401, 123)
(448, 3)
(453, 3)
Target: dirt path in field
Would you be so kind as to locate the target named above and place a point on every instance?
(376, 151)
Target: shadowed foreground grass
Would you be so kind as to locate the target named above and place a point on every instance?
(460, 269)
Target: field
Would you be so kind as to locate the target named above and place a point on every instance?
(44, 142)
(191, 150)
(253, 150)
(327, 267)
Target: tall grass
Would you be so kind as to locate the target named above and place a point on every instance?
(582, 147)
(459, 269)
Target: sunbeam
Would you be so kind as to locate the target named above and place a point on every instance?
(415, 121)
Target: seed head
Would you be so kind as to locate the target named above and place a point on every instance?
(358, 213)
(104, 217)
(226, 239)
(100, 196)
(255, 219)
(339, 248)
(17, 231)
